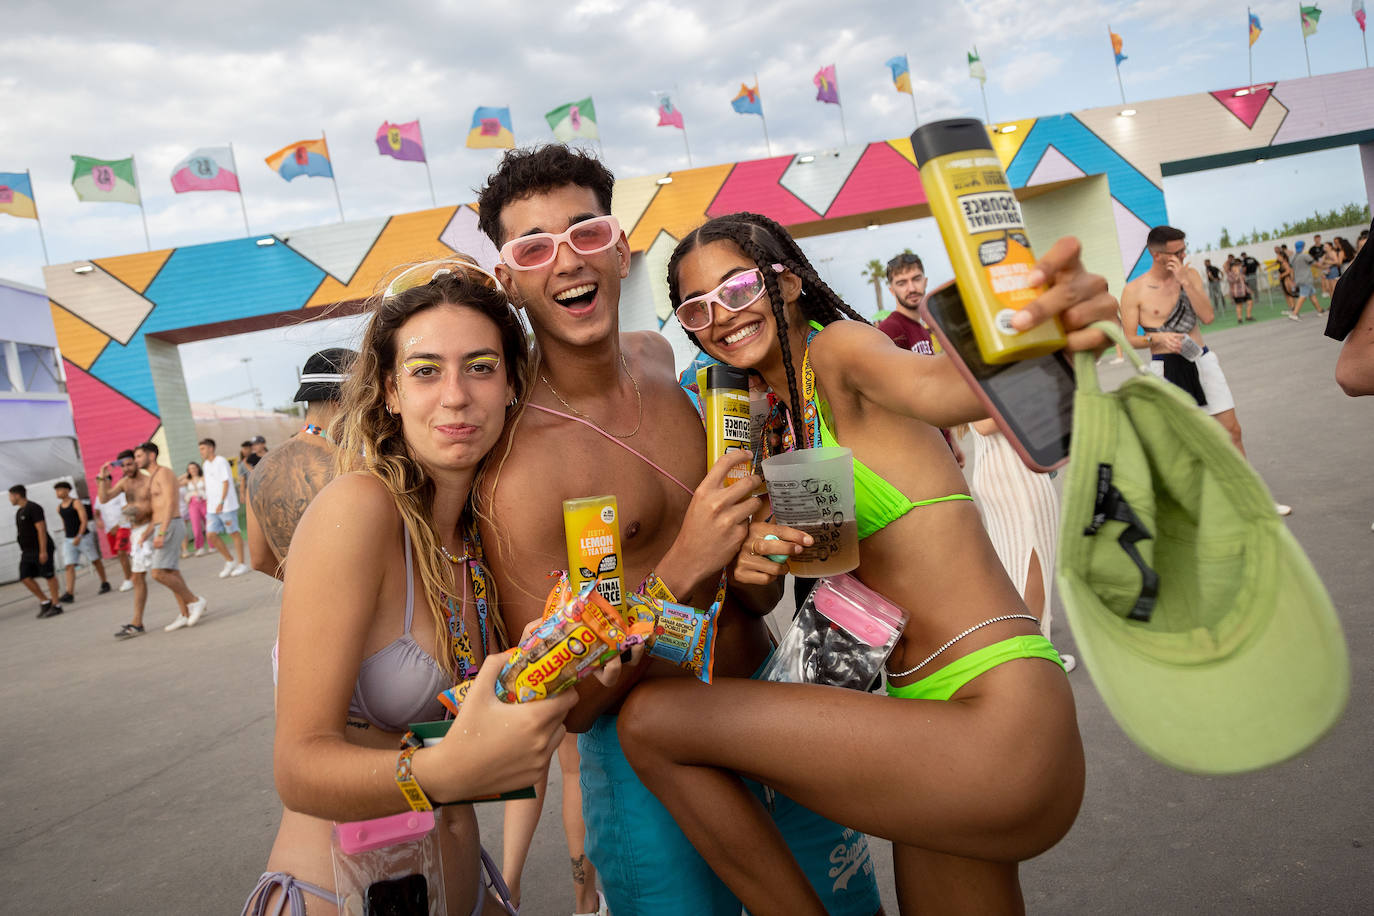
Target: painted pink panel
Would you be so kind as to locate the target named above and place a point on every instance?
(1333, 103)
(1053, 166)
(106, 422)
(882, 179)
(753, 186)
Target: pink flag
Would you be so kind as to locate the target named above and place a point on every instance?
(668, 115)
(827, 89)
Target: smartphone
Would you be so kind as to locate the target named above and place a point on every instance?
(408, 896)
(1031, 399)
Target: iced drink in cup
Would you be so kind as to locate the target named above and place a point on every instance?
(812, 490)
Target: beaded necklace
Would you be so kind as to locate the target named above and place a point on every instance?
(777, 411)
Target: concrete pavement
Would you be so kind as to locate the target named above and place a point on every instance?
(137, 775)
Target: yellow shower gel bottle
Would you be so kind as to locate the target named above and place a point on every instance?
(985, 234)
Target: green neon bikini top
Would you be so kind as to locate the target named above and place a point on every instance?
(877, 503)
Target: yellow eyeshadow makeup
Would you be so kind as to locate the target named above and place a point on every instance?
(414, 365)
(488, 360)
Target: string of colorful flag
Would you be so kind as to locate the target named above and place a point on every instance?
(215, 168)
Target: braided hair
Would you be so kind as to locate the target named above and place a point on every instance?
(766, 242)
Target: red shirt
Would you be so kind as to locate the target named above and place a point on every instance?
(907, 334)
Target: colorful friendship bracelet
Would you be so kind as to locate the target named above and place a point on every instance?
(655, 587)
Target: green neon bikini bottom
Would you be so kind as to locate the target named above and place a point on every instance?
(946, 682)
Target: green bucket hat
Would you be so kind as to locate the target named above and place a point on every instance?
(1201, 621)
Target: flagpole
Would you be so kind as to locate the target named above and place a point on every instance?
(432, 198)
(686, 147)
(914, 116)
(34, 197)
(1249, 49)
(983, 86)
(332, 177)
(247, 230)
(762, 117)
(141, 211)
(1118, 65)
(1302, 25)
(840, 105)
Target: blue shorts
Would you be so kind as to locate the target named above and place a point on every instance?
(649, 868)
(222, 522)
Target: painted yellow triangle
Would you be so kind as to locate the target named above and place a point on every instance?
(79, 341)
(1009, 144)
(135, 271)
(679, 207)
(407, 238)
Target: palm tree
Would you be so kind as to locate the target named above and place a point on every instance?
(876, 273)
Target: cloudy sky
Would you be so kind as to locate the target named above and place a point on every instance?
(157, 80)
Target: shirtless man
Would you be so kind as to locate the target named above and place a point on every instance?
(1168, 302)
(599, 394)
(155, 543)
(288, 478)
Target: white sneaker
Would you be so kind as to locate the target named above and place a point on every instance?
(128, 584)
(177, 624)
(239, 570)
(196, 608)
(200, 552)
(228, 570)
(1069, 661)
(1292, 317)
(1282, 510)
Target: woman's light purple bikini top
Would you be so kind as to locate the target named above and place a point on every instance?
(399, 683)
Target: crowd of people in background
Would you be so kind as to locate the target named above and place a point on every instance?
(197, 513)
(1307, 272)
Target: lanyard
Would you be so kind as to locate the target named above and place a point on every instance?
(459, 641)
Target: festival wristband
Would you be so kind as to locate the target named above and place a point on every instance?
(655, 587)
(405, 778)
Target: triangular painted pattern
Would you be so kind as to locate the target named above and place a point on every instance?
(408, 238)
(679, 207)
(1245, 107)
(80, 341)
(818, 182)
(336, 249)
(106, 421)
(1053, 166)
(135, 271)
(462, 234)
(882, 179)
(753, 187)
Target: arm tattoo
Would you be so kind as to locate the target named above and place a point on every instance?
(282, 486)
(579, 870)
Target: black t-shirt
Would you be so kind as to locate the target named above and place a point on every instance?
(26, 521)
(1251, 265)
(1213, 273)
(71, 521)
(253, 460)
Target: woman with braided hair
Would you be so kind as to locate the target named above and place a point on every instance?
(973, 762)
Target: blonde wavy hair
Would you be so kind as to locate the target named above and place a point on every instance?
(371, 441)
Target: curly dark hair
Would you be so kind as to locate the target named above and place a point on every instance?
(766, 243)
(526, 172)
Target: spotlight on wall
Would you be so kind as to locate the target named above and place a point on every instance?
(871, 226)
(1007, 129)
(1240, 92)
(263, 243)
(83, 269)
(666, 179)
(805, 159)
(1127, 112)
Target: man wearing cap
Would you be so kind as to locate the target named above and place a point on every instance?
(221, 508)
(285, 481)
(1168, 303)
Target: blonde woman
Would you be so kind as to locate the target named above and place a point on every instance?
(384, 601)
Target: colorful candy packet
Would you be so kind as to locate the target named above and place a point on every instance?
(680, 635)
(579, 634)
